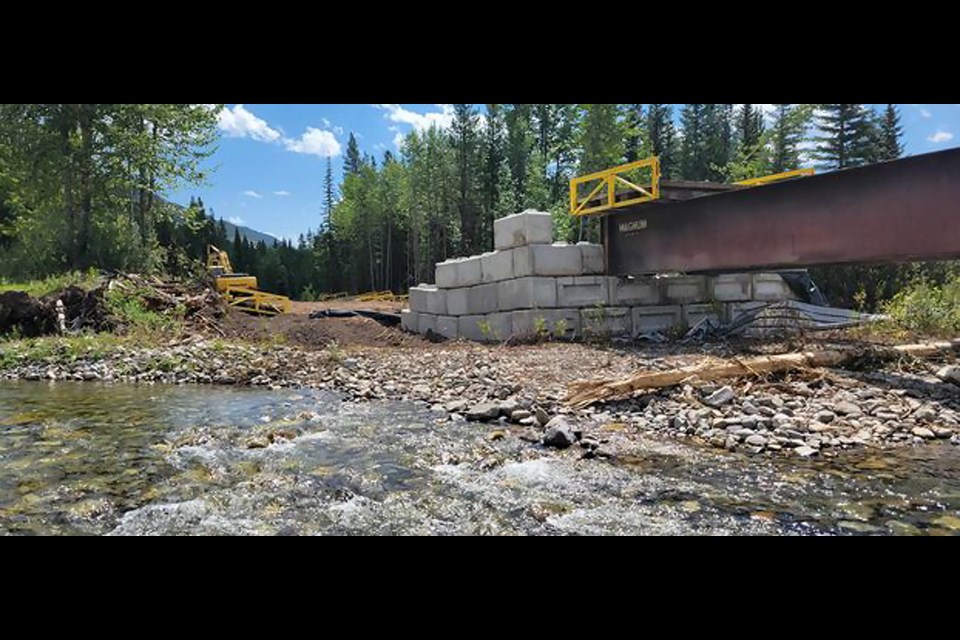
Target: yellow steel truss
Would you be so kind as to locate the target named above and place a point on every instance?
(611, 178)
(786, 175)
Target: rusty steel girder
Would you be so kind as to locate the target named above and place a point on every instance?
(907, 209)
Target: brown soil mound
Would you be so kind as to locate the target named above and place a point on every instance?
(299, 329)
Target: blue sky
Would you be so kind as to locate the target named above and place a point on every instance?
(271, 159)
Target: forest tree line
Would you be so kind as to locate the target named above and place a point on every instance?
(79, 185)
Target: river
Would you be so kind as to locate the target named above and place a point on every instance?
(94, 459)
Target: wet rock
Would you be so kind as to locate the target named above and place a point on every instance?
(925, 414)
(805, 451)
(898, 528)
(942, 432)
(923, 432)
(483, 411)
(519, 415)
(257, 442)
(858, 527)
(507, 407)
(756, 441)
(559, 433)
(720, 397)
(499, 434)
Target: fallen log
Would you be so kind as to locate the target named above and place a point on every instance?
(586, 392)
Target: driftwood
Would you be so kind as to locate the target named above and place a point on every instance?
(586, 392)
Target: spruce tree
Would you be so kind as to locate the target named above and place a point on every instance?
(661, 137)
(693, 144)
(328, 195)
(634, 129)
(890, 133)
(788, 130)
(464, 137)
(352, 161)
(846, 140)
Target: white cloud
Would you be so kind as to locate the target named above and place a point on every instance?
(240, 123)
(398, 139)
(235, 220)
(329, 125)
(314, 141)
(419, 121)
(925, 113)
(940, 136)
(250, 193)
(281, 193)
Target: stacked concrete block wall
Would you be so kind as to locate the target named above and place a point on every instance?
(532, 285)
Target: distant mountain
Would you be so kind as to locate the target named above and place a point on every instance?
(252, 235)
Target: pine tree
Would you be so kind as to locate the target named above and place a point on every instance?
(352, 161)
(634, 129)
(890, 133)
(601, 144)
(788, 131)
(661, 137)
(846, 139)
(749, 127)
(328, 195)
(718, 140)
(464, 137)
(493, 166)
(519, 146)
(693, 145)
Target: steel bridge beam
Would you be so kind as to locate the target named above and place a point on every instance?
(907, 209)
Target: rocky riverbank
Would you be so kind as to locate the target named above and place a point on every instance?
(518, 391)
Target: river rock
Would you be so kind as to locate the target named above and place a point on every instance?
(805, 451)
(848, 409)
(826, 417)
(519, 414)
(942, 432)
(756, 441)
(542, 416)
(923, 432)
(559, 433)
(455, 406)
(950, 373)
(483, 411)
(720, 397)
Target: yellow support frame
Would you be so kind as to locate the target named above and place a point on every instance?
(786, 175)
(609, 178)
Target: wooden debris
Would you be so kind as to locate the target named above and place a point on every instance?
(586, 392)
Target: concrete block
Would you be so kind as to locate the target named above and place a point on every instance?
(408, 320)
(630, 292)
(732, 287)
(770, 287)
(500, 325)
(428, 299)
(582, 291)
(606, 322)
(448, 326)
(521, 229)
(592, 257)
(476, 300)
(459, 272)
(426, 321)
(526, 293)
(496, 266)
(553, 322)
(684, 289)
(547, 260)
(694, 313)
(472, 328)
(662, 318)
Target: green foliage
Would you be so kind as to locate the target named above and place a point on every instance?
(849, 136)
(131, 310)
(926, 308)
(37, 288)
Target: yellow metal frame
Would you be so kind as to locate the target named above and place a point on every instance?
(786, 175)
(609, 178)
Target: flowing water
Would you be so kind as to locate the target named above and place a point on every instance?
(85, 458)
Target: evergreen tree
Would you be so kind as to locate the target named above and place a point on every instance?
(718, 140)
(328, 194)
(661, 136)
(464, 137)
(890, 134)
(493, 169)
(352, 161)
(520, 143)
(847, 136)
(749, 127)
(788, 131)
(693, 145)
(634, 122)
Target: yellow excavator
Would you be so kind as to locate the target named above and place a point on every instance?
(240, 289)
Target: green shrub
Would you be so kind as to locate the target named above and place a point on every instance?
(926, 308)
